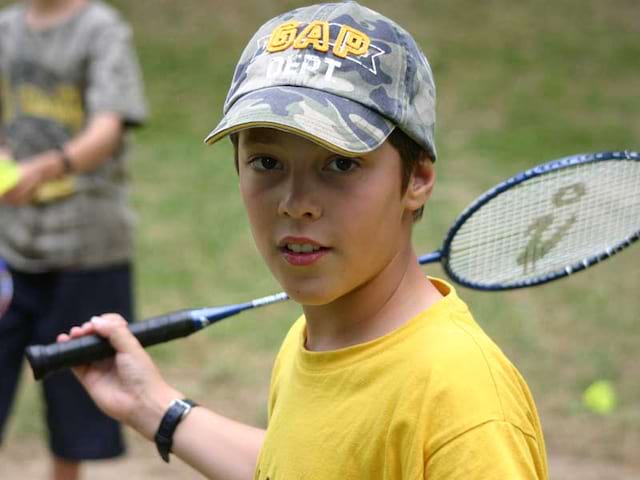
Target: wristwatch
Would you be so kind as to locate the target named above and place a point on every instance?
(178, 409)
(67, 166)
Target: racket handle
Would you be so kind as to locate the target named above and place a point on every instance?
(46, 359)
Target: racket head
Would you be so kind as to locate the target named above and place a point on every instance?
(546, 223)
(6, 287)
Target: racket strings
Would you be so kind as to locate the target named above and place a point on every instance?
(549, 223)
(543, 234)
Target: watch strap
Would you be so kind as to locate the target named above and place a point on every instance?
(67, 165)
(178, 409)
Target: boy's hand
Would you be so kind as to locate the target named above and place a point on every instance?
(128, 386)
(32, 174)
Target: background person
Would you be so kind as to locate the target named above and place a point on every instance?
(71, 87)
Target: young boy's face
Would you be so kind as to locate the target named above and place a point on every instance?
(325, 224)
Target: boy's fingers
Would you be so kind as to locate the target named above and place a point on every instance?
(75, 331)
(80, 330)
(114, 328)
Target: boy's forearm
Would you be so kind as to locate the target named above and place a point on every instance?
(218, 447)
(85, 152)
(96, 143)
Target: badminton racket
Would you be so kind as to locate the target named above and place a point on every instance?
(540, 225)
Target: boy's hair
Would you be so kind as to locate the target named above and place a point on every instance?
(410, 153)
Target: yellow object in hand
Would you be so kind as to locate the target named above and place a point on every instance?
(600, 397)
(55, 189)
(9, 174)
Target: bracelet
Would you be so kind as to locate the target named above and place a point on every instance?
(177, 411)
(67, 166)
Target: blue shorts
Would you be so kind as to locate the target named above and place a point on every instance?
(44, 305)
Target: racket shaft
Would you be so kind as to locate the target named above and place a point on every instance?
(46, 359)
(432, 257)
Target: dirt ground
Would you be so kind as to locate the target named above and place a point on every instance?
(26, 459)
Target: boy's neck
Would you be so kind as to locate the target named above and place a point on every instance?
(45, 13)
(383, 304)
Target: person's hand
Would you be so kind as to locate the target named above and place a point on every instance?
(128, 386)
(33, 173)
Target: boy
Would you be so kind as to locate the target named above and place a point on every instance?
(70, 87)
(331, 112)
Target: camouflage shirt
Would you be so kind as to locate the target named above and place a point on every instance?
(52, 82)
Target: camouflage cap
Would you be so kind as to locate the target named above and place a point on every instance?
(338, 74)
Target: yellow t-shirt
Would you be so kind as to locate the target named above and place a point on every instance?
(434, 399)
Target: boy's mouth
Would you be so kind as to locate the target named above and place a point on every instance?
(301, 251)
(302, 247)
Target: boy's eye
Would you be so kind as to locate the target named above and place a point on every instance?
(265, 163)
(342, 164)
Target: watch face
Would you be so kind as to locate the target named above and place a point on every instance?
(186, 405)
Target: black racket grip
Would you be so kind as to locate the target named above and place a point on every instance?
(46, 359)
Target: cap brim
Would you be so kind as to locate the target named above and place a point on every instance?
(336, 123)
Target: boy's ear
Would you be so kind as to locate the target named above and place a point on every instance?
(420, 184)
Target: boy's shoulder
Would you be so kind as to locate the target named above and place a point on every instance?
(451, 349)
(11, 13)
(458, 365)
(101, 14)
(97, 14)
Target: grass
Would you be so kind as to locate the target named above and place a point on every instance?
(519, 83)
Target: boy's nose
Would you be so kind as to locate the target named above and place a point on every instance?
(298, 201)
